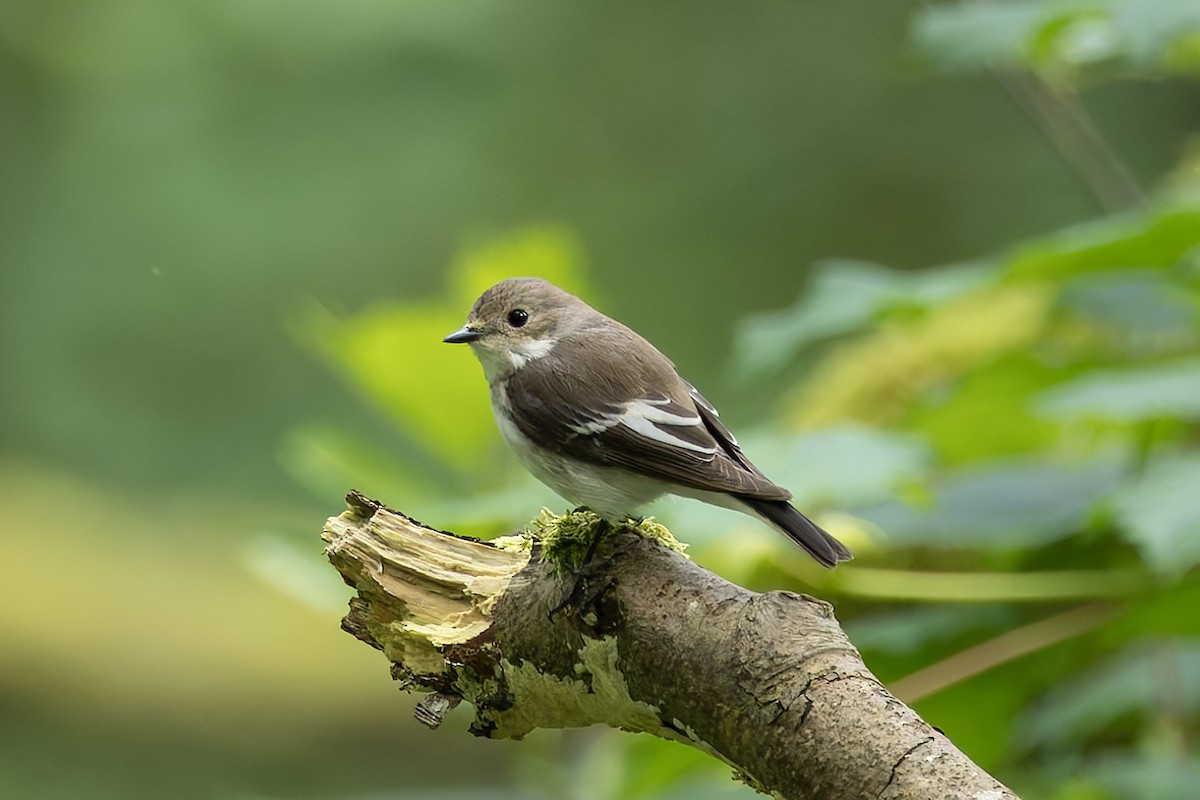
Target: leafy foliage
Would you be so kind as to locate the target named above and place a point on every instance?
(998, 441)
(1030, 416)
(1063, 37)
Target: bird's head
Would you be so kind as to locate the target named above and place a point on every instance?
(517, 321)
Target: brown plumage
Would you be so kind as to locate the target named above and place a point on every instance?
(603, 418)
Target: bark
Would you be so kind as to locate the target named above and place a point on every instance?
(650, 642)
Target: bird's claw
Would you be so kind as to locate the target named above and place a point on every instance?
(582, 572)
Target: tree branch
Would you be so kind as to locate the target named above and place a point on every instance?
(768, 683)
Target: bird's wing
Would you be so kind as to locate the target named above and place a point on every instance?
(712, 421)
(678, 438)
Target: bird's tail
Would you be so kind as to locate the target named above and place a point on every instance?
(801, 530)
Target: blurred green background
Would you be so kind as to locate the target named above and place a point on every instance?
(232, 235)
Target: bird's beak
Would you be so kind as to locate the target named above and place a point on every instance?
(463, 334)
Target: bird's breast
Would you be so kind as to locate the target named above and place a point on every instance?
(612, 492)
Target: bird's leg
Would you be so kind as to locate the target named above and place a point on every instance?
(579, 587)
(598, 532)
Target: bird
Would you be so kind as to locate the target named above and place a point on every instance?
(604, 419)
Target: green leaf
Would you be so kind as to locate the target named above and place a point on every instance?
(1140, 311)
(1150, 28)
(1128, 395)
(1160, 238)
(393, 353)
(1160, 513)
(1183, 55)
(987, 415)
(1022, 33)
(840, 465)
(1130, 682)
(844, 296)
(1007, 505)
(1053, 36)
(1152, 776)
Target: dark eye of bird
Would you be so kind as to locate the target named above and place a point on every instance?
(518, 317)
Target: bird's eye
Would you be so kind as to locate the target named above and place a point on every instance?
(518, 317)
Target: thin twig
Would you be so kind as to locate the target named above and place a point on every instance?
(1074, 134)
(1002, 649)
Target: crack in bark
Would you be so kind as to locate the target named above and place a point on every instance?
(900, 761)
(803, 695)
(808, 706)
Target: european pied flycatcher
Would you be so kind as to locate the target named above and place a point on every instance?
(596, 413)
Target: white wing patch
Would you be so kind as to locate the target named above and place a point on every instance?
(598, 425)
(644, 417)
(709, 407)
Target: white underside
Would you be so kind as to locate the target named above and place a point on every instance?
(611, 492)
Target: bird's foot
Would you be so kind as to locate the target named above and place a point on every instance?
(602, 527)
(577, 597)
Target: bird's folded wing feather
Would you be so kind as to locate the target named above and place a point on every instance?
(712, 421)
(676, 439)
